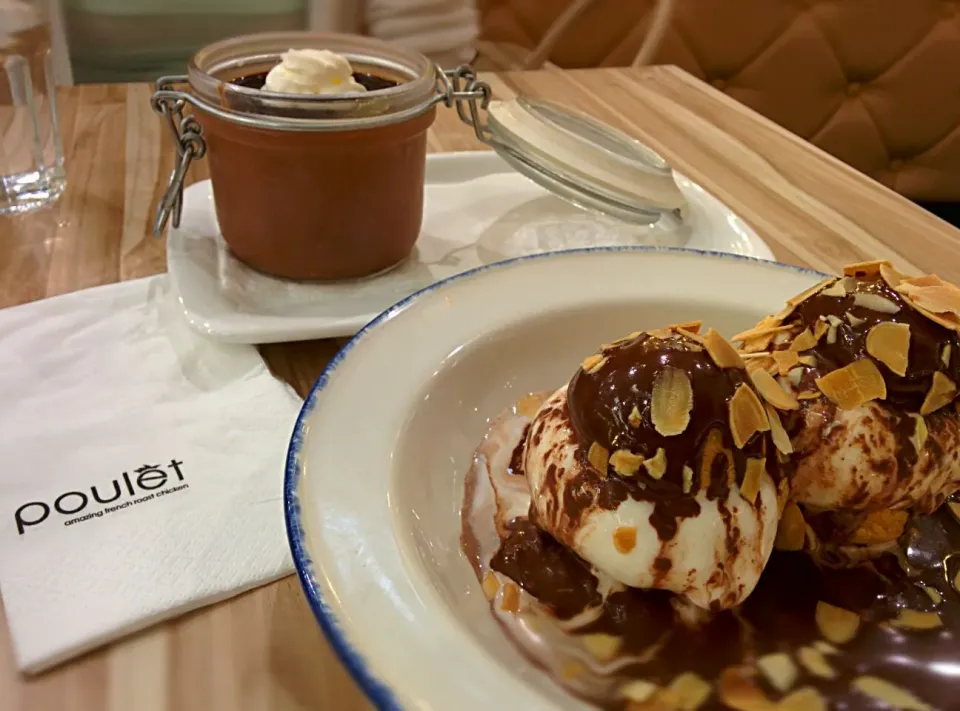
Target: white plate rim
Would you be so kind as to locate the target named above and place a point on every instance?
(378, 692)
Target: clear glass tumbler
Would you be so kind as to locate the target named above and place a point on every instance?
(31, 150)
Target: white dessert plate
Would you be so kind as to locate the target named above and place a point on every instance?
(477, 210)
(375, 469)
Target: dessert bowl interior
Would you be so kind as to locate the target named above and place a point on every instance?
(377, 461)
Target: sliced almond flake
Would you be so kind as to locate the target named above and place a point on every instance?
(657, 466)
(572, 669)
(592, 364)
(687, 479)
(634, 418)
(671, 401)
(713, 448)
(599, 457)
(831, 335)
(747, 416)
(783, 492)
(621, 341)
(785, 360)
(529, 405)
(754, 364)
(854, 320)
(956, 582)
(865, 269)
(777, 433)
(688, 326)
(932, 293)
(811, 395)
(779, 670)
(853, 385)
(791, 530)
(510, 597)
(836, 624)
(835, 290)
(945, 355)
(889, 694)
(947, 320)
(794, 377)
(661, 333)
(625, 462)
(880, 527)
(737, 690)
(752, 477)
(807, 293)
(935, 597)
(890, 275)
(638, 690)
(889, 343)
(875, 302)
(805, 699)
(815, 663)
(803, 342)
(602, 647)
(808, 360)
(625, 539)
(758, 331)
(819, 329)
(490, 585)
(920, 433)
(692, 690)
(825, 647)
(772, 392)
(942, 391)
(916, 620)
(721, 352)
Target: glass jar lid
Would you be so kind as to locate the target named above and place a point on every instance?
(583, 160)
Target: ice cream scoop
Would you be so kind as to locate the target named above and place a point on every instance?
(872, 360)
(656, 465)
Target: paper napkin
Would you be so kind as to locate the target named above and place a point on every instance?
(142, 468)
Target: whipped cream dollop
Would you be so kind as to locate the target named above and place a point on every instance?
(312, 71)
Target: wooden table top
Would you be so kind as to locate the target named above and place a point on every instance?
(263, 650)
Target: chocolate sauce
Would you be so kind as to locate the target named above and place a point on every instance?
(516, 459)
(778, 617)
(371, 82)
(600, 406)
(927, 340)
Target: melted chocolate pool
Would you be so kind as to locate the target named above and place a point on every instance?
(371, 82)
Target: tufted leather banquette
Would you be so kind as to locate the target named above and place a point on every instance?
(874, 82)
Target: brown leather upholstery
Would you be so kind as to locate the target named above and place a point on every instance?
(874, 82)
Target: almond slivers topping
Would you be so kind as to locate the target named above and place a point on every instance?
(854, 385)
(805, 699)
(837, 290)
(747, 415)
(599, 457)
(721, 352)
(602, 647)
(691, 690)
(777, 433)
(671, 401)
(932, 293)
(889, 343)
(779, 670)
(865, 269)
(591, 364)
(889, 694)
(752, 477)
(713, 448)
(890, 275)
(634, 419)
(761, 329)
(920, 433)
(792, 530)
(510, 602)
(942, 391)
(657, 466)
(625, 462)
(875, 302)
(529, 405)
(490, 585)
(815, 663)
(687, 479)
(785, 360)
(804, 341)
(807, 293)
(772, 392)
(836, 624)
(688, 326)
(915, 620)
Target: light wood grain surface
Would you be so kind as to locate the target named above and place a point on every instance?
(263, 650)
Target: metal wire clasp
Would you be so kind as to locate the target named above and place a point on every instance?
(188, 140)
(462, 89)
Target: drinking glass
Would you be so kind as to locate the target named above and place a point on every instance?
(31, 150)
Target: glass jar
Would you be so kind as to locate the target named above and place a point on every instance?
(331, 187)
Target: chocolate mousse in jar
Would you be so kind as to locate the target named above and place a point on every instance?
(316, 145)
(317, 150)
